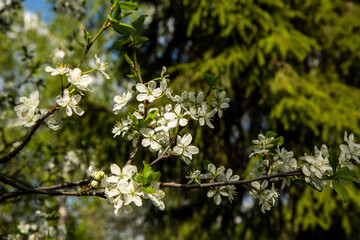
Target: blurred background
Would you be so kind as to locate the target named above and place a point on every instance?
(288, 66)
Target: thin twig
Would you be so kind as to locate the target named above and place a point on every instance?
(241, 182)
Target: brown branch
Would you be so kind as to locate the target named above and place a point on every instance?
(28, 137)
(241, 182)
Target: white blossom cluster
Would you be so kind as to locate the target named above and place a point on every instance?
(317, 166)
(155, 127)
(350, 152)
(267, 197)
(123, 192)
(27, 111)
(216, 175)
(271, 161)
(39, 229)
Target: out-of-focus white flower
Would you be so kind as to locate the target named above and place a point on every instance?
(61, 69)
(28, 104)
(220, 102)
(101, 67)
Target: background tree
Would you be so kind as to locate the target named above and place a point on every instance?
(289, 66)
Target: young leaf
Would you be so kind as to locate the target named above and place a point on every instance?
(122, 28)
(141, 41)
(155, 176)
(147, 171)
(346, 174)
(128, 60)
(211, 80)
(206, 164)
(120, 43)
(341, 190)
(333, 160)
(148, 190)
(278, 141)
(128, 5)
(270, 134)
(117, 10)
(138, 22)
(138, 177)
(149, 118)
(87, 36)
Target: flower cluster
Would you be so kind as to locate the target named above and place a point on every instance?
(156, 127)
(214, 174)
(28, 113)
(124, 192)
(317, 166)
(267, 197)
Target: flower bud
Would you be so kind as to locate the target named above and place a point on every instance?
(94, 184)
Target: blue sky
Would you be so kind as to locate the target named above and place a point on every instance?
(39, 6)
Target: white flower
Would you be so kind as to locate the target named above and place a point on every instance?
(29, 104)
(156, 199)
(194, 176)
(217, 192)
(121, 175)
(121, 101)
(205, 115)
(60, 70)
(176, 118)
(184, 149)
(132, 194)
(149, 92)
(95, 173)
(150, 139)
(122, 127)
(220, 102)
(101, 66)
(81, 81)
(28, 119)
(217, 174)
(70, 103)
(267, 197)
(349, 151)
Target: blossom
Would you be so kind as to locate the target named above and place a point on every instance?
(267, 197)
(150, 139)
(349, 151)
(220, 102)
(194, 176)
(29, 104)
(217, 192)
(218, 173)
(184, 148)
(205, 115)
(60, 70)
(81, 81)
(317, 166)
(28, 119)
(101, 66)
(149, 92)
(121, 101)
(156, 199)
(122, 127)
(95, 173)
(121, 175)
(176, 118)
(70, 102)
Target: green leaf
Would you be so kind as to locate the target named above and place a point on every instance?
(147, 171)
(346, 174)
(135, 121)
(206, 164)
(112, 19)
(156, 176)
(270, 134)
(211, 80)
(278, 141)
(129, 6)
(333, 160)
(341, 190)
(148, 190)
(141, 41)
(149, 118)
(120, 43)
(122, 28)
(137, 23)
(117, 10)
(87, 36)
(128, 60)
(138, 177)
